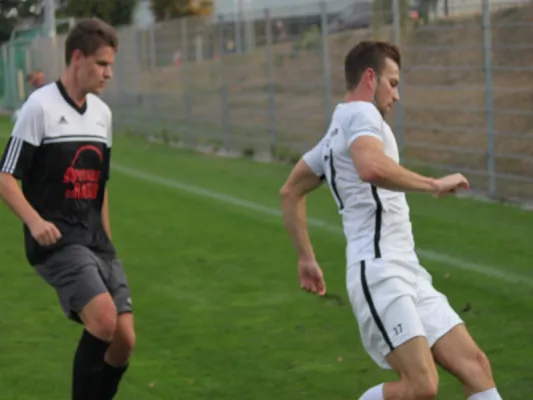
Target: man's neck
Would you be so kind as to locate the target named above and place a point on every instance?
(355, 95)
(74, 92)
(358, 95)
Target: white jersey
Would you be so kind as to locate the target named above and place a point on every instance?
(376, 221)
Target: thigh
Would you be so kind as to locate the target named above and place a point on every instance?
(414, 364)
(458, 353)
(385, 308)
(453, 348)
(412, 360)
(436, 313)
(100, 316)
(73, 272)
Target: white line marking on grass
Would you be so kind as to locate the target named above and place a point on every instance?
(492, 272)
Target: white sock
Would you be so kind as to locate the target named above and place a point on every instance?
(491, 394)
(376, 393)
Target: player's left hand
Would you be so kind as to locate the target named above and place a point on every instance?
(451, 184)
(311, 277)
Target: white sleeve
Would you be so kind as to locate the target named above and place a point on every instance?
(109, 128)
(29, 125)
(364, 121)
(107, 168)
(26, 138)
(313, 158)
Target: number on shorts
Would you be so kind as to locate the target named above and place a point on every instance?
(398, 329)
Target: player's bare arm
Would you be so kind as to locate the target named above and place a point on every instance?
(375, 167)
(105, 214)
(301, 181)
(44, 232)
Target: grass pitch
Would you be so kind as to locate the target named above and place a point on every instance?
(218, 309)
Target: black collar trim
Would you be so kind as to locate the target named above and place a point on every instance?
(69, 100)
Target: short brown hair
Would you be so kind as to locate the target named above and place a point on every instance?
(368, 54)
(88, 36)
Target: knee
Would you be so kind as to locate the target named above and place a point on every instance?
(124, 340)
(103, 324)
(483, 362)
(425, 387)
(478, 364)
(127, 341)
(425, 392)
(100, 317)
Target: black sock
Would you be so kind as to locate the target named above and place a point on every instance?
(110, 381)
(88, 367)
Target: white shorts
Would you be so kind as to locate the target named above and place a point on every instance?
(395, 301)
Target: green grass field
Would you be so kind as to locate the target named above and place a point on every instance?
(219, 312)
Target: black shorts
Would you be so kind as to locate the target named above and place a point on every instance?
(78, 275)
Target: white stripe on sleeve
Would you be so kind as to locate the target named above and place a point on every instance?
(13, 155)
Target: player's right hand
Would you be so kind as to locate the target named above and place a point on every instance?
(311, 277)
(450, 184)
(44, 232)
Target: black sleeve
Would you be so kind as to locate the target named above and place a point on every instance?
(25, 139)
(107, 163)
(18, 157)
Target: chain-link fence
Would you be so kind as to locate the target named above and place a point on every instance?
(265, 82)
(16, 62)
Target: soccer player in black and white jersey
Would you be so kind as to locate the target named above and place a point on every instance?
(405, 324)
(60, 149)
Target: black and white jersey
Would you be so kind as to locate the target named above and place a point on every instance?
(61, 153)
(376, 221)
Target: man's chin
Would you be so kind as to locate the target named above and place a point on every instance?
(98, 90)
(385, 110)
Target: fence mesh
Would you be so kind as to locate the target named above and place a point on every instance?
(266, 81)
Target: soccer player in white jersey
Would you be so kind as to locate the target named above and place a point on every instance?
(60, 149)
(405, 324)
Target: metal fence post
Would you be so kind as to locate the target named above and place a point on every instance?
(6, 77)
(397, 40)
(489, 100)
(154, 128)
(13, 74)
(184, 66)
(152, 52)
(325, 62)
(223, 83)
(270, 77)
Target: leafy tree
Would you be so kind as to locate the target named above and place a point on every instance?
(201, 7)
(114, 12)
(168, 9)
(13, 11)
(426, 8)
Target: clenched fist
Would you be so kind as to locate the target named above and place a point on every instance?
(44, 232)
(450, 184)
